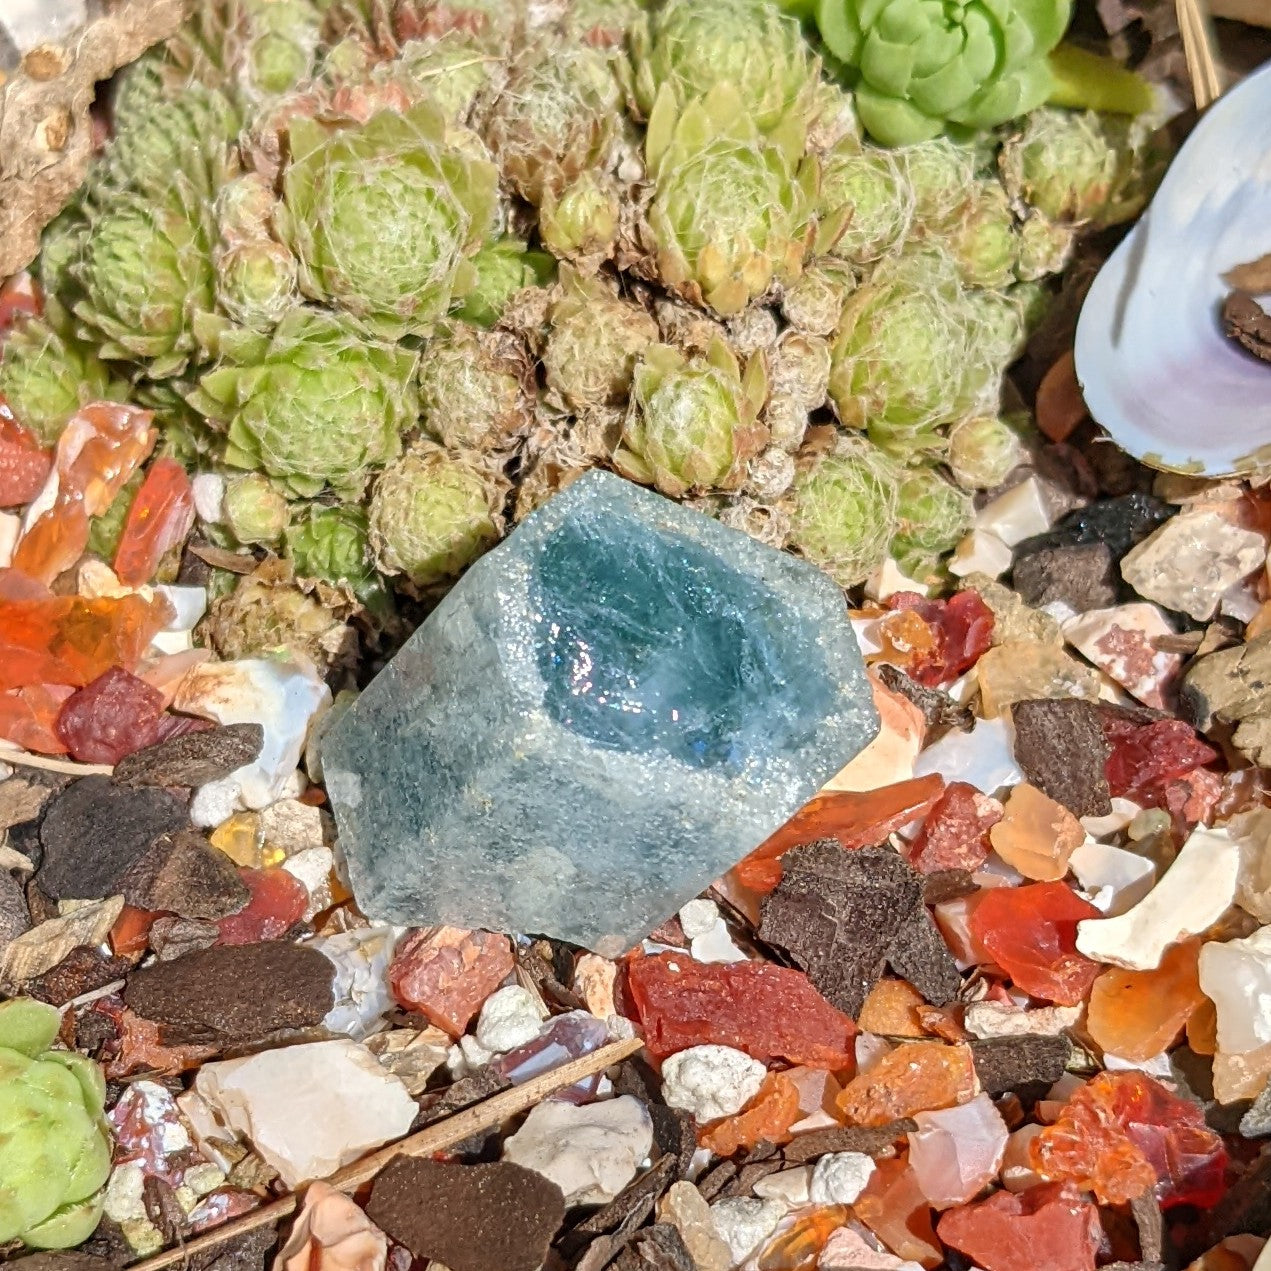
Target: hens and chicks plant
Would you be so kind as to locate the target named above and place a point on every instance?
(399, 271)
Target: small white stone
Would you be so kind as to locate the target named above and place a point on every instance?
(888, 579)
(711, 1081)
(716, 946)
(124, 1193)
(980, 552)
(793, 1186)
(591, 1152)
(1123, 812)
(308, 1109)
(466, 1057)
(1016, 515)
(362, 997)
(312, 867)
(840, 1177)
(995, 1019)
(744, 1223)
(1119, 878)
(984, 757)
(697, 917)
(280, 696)
(169, 642)
(293, 827)
(866, 632)
(215, 802)
(1155, 1066)
(510, 1017)
(1121, 642)
(1194, 893)
(209, 497)
(1236, 977)
(10, 527)
(188, 603)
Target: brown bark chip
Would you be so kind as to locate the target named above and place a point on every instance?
(193, 759)
(1061, 748)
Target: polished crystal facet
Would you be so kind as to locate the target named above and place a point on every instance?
(607, 711)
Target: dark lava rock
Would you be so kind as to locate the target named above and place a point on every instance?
(234, 992)
(1061, 748)
(183, 874)
(1121, 523)
(95, 830)
(497, 1217)
(83, 970)
(1080, 575)
(1016, 1063)
(15, 917)
(193, 759)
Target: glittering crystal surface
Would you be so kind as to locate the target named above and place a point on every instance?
(605, 713)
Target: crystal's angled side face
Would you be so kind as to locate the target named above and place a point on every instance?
(607, 712)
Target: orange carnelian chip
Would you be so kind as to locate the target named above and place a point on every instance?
(915, 1077)
(766, 1119)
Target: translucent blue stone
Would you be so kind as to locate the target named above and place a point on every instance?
(607, 712)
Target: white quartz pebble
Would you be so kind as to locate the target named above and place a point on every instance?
(793, 1186)
(510, 1017)
(980, 552)
(1236, 976)
(1115, 878)
(1194, 893)
(1016, 515)
(984, 757)
(744, 1223)
(711, 1081)
(838, 1178)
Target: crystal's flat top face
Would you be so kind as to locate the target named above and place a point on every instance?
(650, 642)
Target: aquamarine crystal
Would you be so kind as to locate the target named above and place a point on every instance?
(606, 712)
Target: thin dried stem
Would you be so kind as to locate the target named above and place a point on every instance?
(23, 759)
(436, 1138)
(1200, 51)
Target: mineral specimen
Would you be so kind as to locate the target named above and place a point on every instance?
(601, 717)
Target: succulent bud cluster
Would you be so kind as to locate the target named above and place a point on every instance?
(398, 270)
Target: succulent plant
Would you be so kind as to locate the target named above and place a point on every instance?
(332, 544)
(919, 67)
(693, 422)
(692, 45)
(144, 275)
(939, 172)
(316, 404)
(798, 382)
(454, 71)
(55, 1146)
(475, 390)
(732, 208)
(255, 284)
(899, 357)
(997, 328)
(105, 531)
(383, 217)
(984, 448)
(502, 268)
(581, 224)
(601, 24)
(266, 618)
(432, 514)
(559, 115)
(844, 509)
(867, 203)
(255, 509)
(46, 376)
(1045, 247)
(385, 26)
(981, 237)
(593, 342)
(932, 515)
(813, 302)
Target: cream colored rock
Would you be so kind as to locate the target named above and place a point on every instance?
(590, 1152)
(1016, 515)
(1236, 977)
(1193, 559)
(981, 552)
(594, 980)
(308, 1110)
(1121, 642)
(510, 1017)
(746, 1222)
(685, 1209)
(994, 1019)
(1115, 879)
(362, 997)
(1194, 893)
(711, 1081)
(793, 1187)
(838, 1178)
(1252, 831)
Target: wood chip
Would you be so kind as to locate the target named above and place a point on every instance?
(43, 947)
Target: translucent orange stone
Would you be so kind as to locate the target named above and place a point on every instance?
(55, 541)
(798, 1248)
(278, 901)
(69, 640)
(28, 717)
(915, 1077)
(1051, 1226)
(1138, 1014)
(131, 932)
(766, 1119)
(893, 1207)
(24, 463)
(1036, 835)
(907, 640)
(854, 819)
(891, 1009)
(159, 519)
(955, 834)
(1202, 1029)
(446, 973)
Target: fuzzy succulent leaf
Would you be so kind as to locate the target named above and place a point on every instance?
(939, 172)
(692, 45)
(581, 224)
(502, 268)
(559, 115)
(317, 404)
(984, 448)
(732, 208)
(920, 65)
(866, 203)
(47, 375)
(844, 513)
(981, 237)
(255, 510)
(261, 618)
(454, 71)
(432, 514)
(1045, 247)
(692, 423)
(145, 275)
(474, 390)
(593, 342)
(55, 1148)
(932, 515)
(383, 217)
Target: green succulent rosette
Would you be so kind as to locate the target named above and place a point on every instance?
(317, 404)
(844, 509)
(866, 202)
(732, 208)
(332, 545)
(502, 268)
(932, 515)
(983, 449)
(919, 66)
(559, 115)
(692, 45)
(453, 71)
(581, 224)
(692, 423)
(55, 1147)
(144, 278)
(46, 376)
(981, 237)
(432, 514)
(384, 217)
(255, 510)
